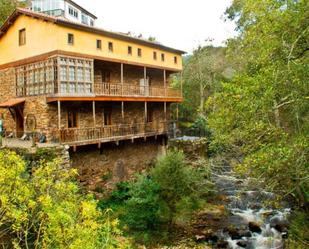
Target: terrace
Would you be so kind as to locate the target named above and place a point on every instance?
(69, 79)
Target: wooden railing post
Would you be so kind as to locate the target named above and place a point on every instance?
(164, 79)
(93, 112)
(121, 78)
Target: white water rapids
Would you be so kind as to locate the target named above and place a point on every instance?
(262, 226)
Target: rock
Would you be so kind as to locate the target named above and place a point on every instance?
(242, 243)
(280, 225)
(237, 234)
(200, 238)
(222, 244)
(254, 227)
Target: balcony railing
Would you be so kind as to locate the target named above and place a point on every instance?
(130, 90)
(110, 133)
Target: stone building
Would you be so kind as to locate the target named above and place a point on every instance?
(85, 87)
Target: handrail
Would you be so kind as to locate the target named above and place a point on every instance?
(131, 90)
(111, 132)
(100, 89)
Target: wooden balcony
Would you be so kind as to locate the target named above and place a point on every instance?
(119, 92)
(130, 90)
(113, 133)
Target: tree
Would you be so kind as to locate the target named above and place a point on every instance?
(264, 111)
(202, 76)
(8, 6)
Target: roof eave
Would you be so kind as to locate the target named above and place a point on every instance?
(116, 35)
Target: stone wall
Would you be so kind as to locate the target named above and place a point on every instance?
(101, 169)
(7, 91)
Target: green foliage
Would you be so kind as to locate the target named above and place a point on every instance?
(145, 209)
(263, 112)
(45, 209)
(8, 6)
(117, 197)
(176, 180)
(202, 76)
(299, 231)
(171, 192)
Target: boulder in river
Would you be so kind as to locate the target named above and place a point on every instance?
(242, 243)
(279, 224)
(222, 244)
(254, 227)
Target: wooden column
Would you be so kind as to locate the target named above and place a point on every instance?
(146, 111)
(59, 114)
(165, 112)
(93, 113)
(145, 78)
(177, 112)
(121, 77)
(164, 79)
(122, 111)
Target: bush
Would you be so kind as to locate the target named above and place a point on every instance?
(45, 209)
(171, 190)
(176, 180)
(145, 210)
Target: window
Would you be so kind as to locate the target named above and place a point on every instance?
(91, 22)
(72, 119)
(129, 50)
(85, 19)
(88, 74)
(72, 73)
(162, 57)
(71, 11)
(99, 44)
(110, 47)
(175, 60)
(155, 55)
(22, 37)
(70, 39)
(139, 52)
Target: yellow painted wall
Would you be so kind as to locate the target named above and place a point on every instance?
(40, 38)
(44, 37)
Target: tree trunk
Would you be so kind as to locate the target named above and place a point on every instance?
(202, 99)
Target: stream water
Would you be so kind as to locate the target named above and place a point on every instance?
(253, 222)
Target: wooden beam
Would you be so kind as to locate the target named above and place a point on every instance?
(82, 56)
(112, 98)
(59, 114)
(93, 113)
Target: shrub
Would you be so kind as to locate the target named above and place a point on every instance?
(176, 180)
(47, 210)
(172, 188)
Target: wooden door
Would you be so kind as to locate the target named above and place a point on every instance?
(19, 123)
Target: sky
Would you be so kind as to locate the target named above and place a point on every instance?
(181, 24)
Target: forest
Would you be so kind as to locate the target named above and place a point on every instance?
(249, 99)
